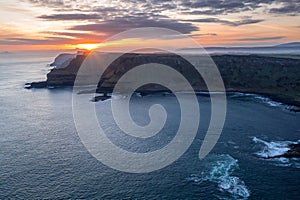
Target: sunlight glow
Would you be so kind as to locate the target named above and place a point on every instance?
(88, 46)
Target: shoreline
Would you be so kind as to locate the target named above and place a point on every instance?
(271, 77)
(278, 98)
(288, 104)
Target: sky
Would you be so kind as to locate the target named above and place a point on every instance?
(67, 24)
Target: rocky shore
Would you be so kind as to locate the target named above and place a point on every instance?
(275, 77)
(278, 149)
(293, 152)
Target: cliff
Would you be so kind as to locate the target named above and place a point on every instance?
(65, 76)
(63, 60)
(275, 77)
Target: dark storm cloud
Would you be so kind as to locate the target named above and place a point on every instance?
(226, 22)
(262, 38)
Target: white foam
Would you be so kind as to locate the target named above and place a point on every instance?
(195, 179)
(297, 165)
(260, 98)
(264, 100)
(268, 101)
(118, 96)
(138, 94)
(271, 149)
(240, 94)
(219, 171)
(235, 186)
(209, 93)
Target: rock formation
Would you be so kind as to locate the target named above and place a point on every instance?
(293, 152)
(279, 78)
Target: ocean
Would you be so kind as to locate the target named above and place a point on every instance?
(42, 157)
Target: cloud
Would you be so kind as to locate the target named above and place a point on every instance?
(47, 3)
(100, 37)
(291, 9)
(29, 41)
(214, 7)
(111, 20)
(121, 24)
(226, 22)
(80, 36)
(203, 34)
(77, 16)
(193, 7)
(120, 15)
(223, 7)
(262, 38)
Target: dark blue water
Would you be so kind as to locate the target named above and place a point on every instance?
(41, 155)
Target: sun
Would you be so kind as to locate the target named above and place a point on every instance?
(88, 46)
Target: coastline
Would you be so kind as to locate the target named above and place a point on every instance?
(272, 77)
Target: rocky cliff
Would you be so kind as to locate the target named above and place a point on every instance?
(273, 76)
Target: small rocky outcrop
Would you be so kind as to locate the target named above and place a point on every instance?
(41, 84)
(293, 152)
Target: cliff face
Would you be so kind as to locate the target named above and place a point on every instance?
(280, 76)
(63, 60)
(244, 73)
(65, 76)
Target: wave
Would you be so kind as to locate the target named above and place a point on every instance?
(260, 98)
(272, 149)
(219, 170)
(277, 148)
(268, 101)
(205, 93)
(264, 100)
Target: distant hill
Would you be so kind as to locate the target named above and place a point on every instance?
(5, 52)
(292, 44)
(287, 48)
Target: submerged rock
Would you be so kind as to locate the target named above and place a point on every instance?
(101, 98)
(42, 84)
(294, 152)
(293, 109)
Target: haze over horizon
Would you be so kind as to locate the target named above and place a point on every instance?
(65, 24)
